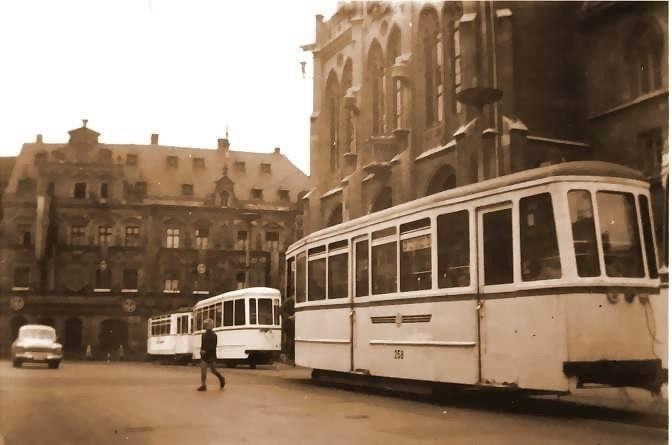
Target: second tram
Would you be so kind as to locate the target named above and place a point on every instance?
(247, 324)
(540, 280)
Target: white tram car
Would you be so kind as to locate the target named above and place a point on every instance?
(169, 336)
(247, 324)
(540, 280)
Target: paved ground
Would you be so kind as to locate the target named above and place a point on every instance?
(96, 403)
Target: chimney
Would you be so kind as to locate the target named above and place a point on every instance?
(38, 139)
(276, 150)
(223, 144)
(155, 139)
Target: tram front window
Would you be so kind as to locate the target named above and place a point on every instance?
(583, 231)
(539, 256)
(265, 311)
(239, 312)
(620, 234)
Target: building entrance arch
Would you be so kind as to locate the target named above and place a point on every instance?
(113, 332)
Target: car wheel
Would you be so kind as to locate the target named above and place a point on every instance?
(16, 363)
(54, 365)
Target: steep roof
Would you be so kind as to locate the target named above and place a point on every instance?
(164, 182)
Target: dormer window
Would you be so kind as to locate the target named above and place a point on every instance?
(80, 190)
(187, 189)
(198, 163)
(131, 159)
(266, 168)
(283, 195)
(257, 193)
(40, 157)
(239, 166)
(171, 161)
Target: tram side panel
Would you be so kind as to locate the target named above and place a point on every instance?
(659, 306)
(162, 345)
(428, 341)
(523, 342)
(322, 339)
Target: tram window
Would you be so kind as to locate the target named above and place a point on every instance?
(620, 234)
(416, 263)
(648, 236)
(276, 311)
(199, 319)
(316, 250)
(218, 315)
(228, 313)
(265, 311)
(291, 270)
(362, 268)
(384, 232)
(453, 242)
(384, 268)
(338, 244)
(338, 276)
(583, 232)
(316, 277)
(497, 247)
(539, 255)
(414, 225)
(301, 278)
(239, 310)
(252, 305)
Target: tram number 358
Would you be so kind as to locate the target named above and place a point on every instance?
(398, 354)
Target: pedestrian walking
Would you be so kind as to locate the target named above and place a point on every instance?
(209, 355)
(89, 353)
(121, 353)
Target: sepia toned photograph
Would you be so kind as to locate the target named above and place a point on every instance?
(334, 222)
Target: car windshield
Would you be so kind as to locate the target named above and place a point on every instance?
(42, 334)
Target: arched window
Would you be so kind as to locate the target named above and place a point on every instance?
(383, 200)
(443, 179)
(644, 57)
(452, 12)
(432, 53)
(375, 77)
(336, 215)
(394, 51)
(348, 128)
(333, 108)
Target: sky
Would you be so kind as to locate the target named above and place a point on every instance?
(185, 69)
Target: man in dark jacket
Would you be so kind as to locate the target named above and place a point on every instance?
(209, 355)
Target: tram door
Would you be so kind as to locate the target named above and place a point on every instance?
(495, 268)
(360, 280)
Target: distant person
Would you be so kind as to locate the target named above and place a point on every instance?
(89, 353)
(121, 353)
(209, 355)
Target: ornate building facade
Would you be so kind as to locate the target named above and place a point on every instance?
(98, 237)
(412, 98)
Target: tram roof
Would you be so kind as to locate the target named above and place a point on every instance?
(249, 291)
(575, 168)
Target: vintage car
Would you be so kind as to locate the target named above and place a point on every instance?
(36, 344)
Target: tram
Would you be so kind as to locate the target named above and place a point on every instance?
(169, 337)
(247, 324)
(537, 281)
